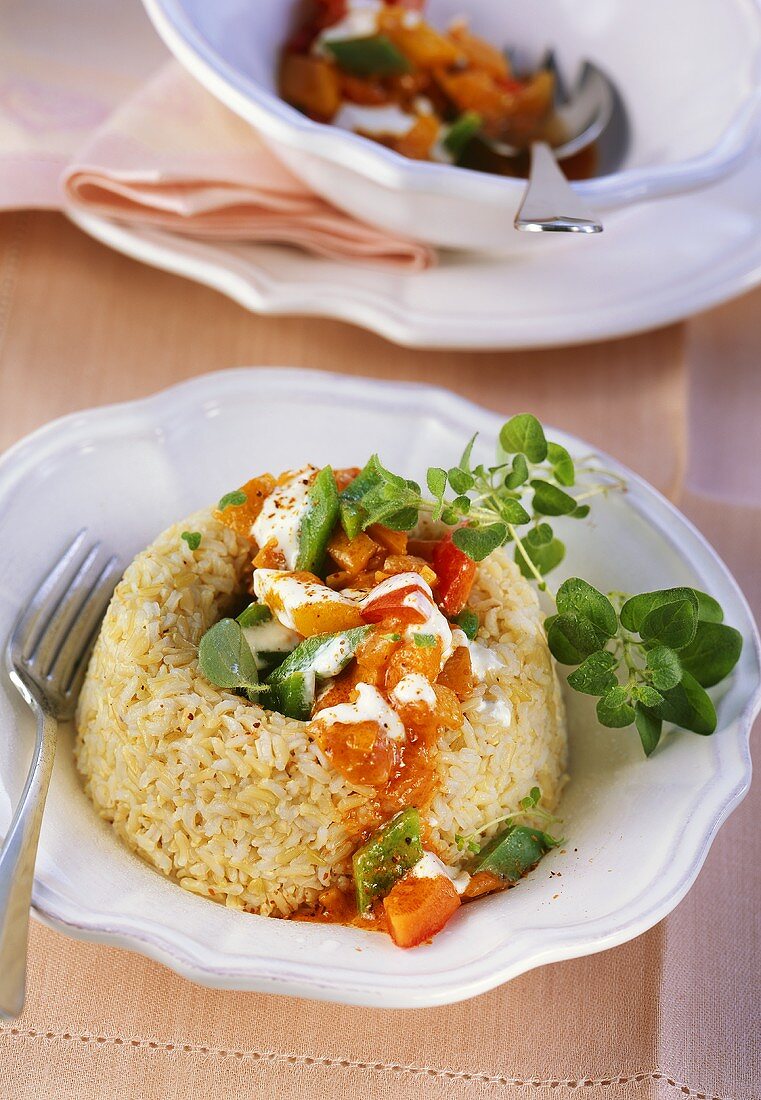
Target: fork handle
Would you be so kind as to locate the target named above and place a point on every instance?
(550, 204)
(17, 858)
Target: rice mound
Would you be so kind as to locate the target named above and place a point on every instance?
(235, 802)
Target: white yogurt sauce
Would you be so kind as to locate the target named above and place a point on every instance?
(332, 658)
(414, 688)
(391, 120)
(495, 710)
(421, 598)
(282, 513)
(370, 706)
(284, 593)
(271, 637)
(430, 866)
(360, 21)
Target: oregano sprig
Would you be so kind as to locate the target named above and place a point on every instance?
(648, 658)
(531, 479)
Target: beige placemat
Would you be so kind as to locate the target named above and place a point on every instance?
(673, 1013)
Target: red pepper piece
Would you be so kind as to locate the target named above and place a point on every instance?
(391, 605)
(456, 573)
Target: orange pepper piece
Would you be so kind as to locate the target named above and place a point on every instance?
(418, 908)
(242, 516)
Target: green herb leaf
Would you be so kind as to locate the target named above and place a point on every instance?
(436, 479)
(233, 499)
(581, 511)
(613, 710)
(637, 608)
(645, 694)
(577, 597)
(424, 641)
(532, 799)
(549, 500)
(572, 638)
(518, 473)
(544, 550)
(468, 623)
(512, 511)
(671, 624)
(664, 666)
(460, 481)
(595, 675)
(713, 652)
(709, 609)
(525, 435)
(350, 500)
(225, 659)
(461, 505)
(649, 728)
(688, 705)
(192, 538)
(562, 464)
(479, 542)
(464, 463)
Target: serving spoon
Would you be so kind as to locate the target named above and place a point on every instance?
(593, 111)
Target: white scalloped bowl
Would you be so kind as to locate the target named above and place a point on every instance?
(689, 72)
(638, 830)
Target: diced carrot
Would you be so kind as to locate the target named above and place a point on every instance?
(360, 751)
(368, 93)
(410, 658)
(474, 90)
(448, 710)
(409, 563)
(479, 53)
(418, 141)
(483, 882)
(269, 557)
(457, 673)
(351, 555)
(376, 651)
(418, 908)
(419, 42)
(395, 542)
(241, 516)
(422, 548)
(344, 476)
(341, 689)
(325, 617)
(311, 84)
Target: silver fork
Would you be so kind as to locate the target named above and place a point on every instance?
(46, 658)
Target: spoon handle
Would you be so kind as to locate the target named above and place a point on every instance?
(550, 205)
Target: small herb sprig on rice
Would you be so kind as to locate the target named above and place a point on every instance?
(647, 658)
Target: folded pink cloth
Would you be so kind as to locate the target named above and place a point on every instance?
(175, 158)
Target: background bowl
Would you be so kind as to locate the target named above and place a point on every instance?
(638, 830)
(689, 72)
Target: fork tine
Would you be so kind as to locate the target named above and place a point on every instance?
(65, 614)
(31, 625)
(71, 660)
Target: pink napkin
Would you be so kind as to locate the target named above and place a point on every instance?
(173, 157)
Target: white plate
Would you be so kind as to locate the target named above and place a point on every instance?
(654, 264)
(638, 830)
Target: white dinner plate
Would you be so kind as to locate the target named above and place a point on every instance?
(637, 830)
(654, 264)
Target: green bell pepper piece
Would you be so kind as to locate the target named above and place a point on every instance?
(292, 696)
(255, 614)
(461, 133)
(386, 857)
(375, 55)
(306, 655)
(350, 500)
(513, 852)
(318, 522)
